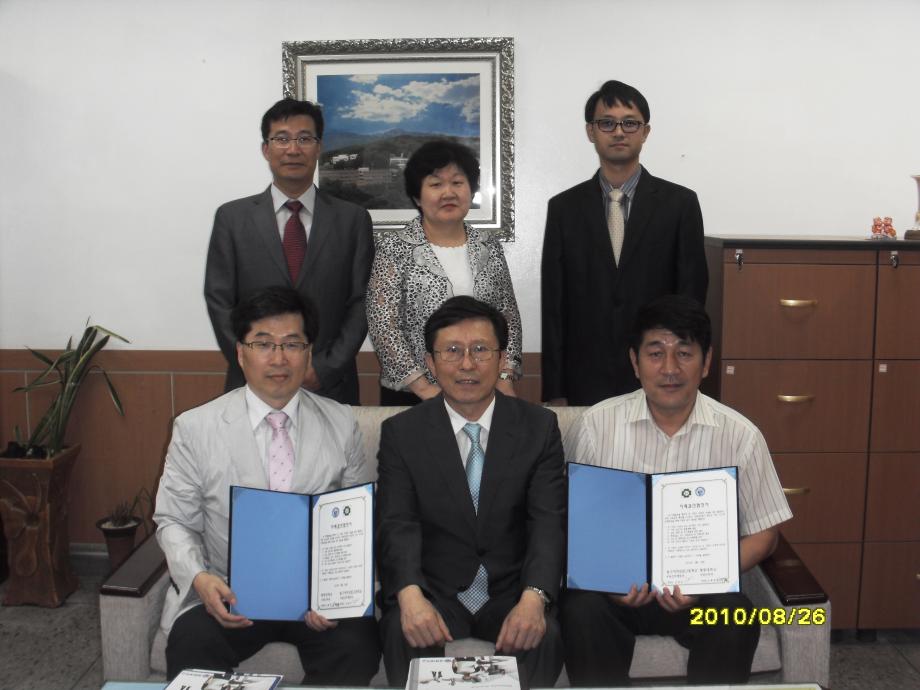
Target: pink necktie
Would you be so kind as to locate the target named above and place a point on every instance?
(280, 454)
(295, 240)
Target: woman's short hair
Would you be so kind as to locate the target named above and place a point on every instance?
(434, 155)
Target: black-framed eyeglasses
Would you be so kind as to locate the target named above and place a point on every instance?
(455, 353)
(608, 124)
(304, 141)
(266, 347)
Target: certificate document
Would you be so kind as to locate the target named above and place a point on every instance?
(291, 553)
(676, 528)
(343, 553)
(694, 528)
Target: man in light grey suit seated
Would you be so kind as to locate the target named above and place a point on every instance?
(269, 434)
(294, 234)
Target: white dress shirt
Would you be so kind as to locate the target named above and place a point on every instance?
(458, 421)
(283, 213)
(258, 411)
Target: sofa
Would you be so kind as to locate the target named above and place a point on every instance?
(133, 645)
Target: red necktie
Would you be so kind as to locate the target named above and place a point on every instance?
(295, 240)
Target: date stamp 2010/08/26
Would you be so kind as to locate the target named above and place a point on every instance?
(763, 616)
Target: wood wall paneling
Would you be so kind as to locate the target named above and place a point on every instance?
(836, 567)
(890, 595)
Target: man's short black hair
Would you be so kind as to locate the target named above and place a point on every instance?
(463, 308)
(682, 315)
(613, 92)
(434, 155)
(287, 108)
(273, 301)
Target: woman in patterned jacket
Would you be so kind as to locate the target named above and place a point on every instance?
(435, 256)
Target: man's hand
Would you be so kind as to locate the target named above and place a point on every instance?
(635, 597)
(675, 601)
(524, 625)
(310, 380)
(318, 623)
(215, 594)
(422, 625)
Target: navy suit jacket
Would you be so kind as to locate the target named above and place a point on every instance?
(245, 255)
(428, 532)
(589, 303)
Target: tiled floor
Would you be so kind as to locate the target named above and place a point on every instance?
(58, 649)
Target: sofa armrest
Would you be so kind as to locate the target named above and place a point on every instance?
(784, 582)
(790, 577)
(130, 603)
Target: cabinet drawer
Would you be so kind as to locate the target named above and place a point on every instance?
(802, 406)
(890, 593)
(826, 493)
(896, 406)
(893, 499)
(836, 567)
(798, 312)
(897, 331)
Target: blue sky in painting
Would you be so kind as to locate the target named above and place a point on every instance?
(446, 103)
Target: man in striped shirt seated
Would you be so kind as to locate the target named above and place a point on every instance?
(668, 426)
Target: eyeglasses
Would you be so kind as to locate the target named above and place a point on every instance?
(455, 353)
(264, 347)
(608, 124)
(304, 141)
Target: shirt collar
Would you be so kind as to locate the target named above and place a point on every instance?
(628, 187)
(308, 199)
(700, 415)
(458, 421)
(258, 409)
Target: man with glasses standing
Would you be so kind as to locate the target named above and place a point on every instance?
(294, 234)
(470, 508)
(612, 244)
(270, 434)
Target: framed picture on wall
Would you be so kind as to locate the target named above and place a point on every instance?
(383, 98)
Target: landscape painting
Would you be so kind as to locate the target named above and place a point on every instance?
(382, 99)
(374, 122)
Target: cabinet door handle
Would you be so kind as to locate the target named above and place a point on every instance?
(795, 398)
(796, 491)
(798, 302)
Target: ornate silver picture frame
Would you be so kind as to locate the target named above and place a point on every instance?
(382, 98)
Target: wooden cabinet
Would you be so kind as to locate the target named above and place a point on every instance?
(817, 341)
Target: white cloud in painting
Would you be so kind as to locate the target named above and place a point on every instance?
(391, 105)
(364, 78)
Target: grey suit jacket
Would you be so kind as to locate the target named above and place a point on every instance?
(212, 448)
(245, 255)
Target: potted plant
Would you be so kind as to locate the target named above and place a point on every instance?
(34, 477)
(120, 525)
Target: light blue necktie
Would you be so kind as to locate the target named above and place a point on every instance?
(477, 594)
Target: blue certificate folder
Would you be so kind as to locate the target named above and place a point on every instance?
(609, 528)
(269, 552)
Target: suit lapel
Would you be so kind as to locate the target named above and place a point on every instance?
(321, 228)
(266, 228)
(442, 446)
(500, 451)
(640, 214)
(244, 455)
(309, 447)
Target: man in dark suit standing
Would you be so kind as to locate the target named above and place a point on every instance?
(612, 244)
(295, 235)
(471, 507)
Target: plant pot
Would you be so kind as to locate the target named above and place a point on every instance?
(33, 504)
(119, 540)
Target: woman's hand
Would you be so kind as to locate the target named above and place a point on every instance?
(423, 389)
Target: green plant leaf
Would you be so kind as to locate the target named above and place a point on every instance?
(112, 392)
(43, 357)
